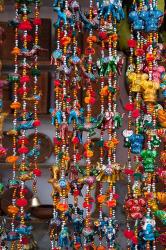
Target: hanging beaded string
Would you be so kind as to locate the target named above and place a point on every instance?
(24, 26)
(36, 96)
(88, 153)
(128, 170)
(54, 234)
(114, 133)
(63, 205)
(110, 107)
(76, 142)
(16, 106)
(102, 109)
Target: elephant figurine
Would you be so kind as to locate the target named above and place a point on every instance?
(25, 125)
(74, 114)
(63, 240)
(135, 80)
(150, 90)
(24, 230)
(117, 120)
(61, 16)
(148, 229)
(149, 159)
(56, 115)
(136, 141)
(77, 225)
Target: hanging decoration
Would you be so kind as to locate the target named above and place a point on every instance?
(23, 120)
(86, 118)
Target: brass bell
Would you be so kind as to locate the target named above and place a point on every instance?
(35, 202)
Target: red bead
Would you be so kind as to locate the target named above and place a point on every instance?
(24, 79)
(36, 123)
(23, 150)
(75, 140)
(25, 25)
(139, 52)
(76, 193)
(103, 35)
(57, 83)
(128, 234)
(89, 51)
(22, 202)
(37, 172)
(136, 113)
(132, 43)
(22, 140)
(37, 21)
(129, 106)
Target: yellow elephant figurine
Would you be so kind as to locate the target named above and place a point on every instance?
(135, 83)
(149, 89)
(136, 80)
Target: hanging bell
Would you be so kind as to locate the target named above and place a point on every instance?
(35, 202)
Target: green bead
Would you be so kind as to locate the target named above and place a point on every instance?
(127, 144)
(137, 176)
(35, 72)
(100, 143)
(112, 90)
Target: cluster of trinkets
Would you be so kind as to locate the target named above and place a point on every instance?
(75, 124)
(77, 169)
(24, 81)
(146, 128)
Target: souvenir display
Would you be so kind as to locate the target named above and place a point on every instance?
(89, 121)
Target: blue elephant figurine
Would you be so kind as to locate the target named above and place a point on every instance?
(136, 141)
(61, 16)
(25, 125)
(35, 151)
(151, 25)
(73, 116)
(148, 229)
(77, 225)
(63, 240)
(56, 115)
(24, 230)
